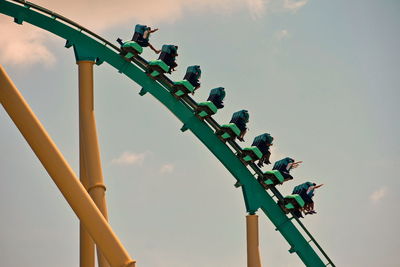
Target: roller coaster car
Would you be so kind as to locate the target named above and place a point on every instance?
(271, 178)
(206, 109)
(157, 67)
(228, 132)
(182, 88)
(291, 203)
(251, 154)
(129, 49)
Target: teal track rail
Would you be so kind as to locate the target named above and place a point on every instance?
(88, 45)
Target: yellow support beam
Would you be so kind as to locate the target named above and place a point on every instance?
(253, 251)
(86, 244)
(89, 144)
(62, 174)
(86, 248)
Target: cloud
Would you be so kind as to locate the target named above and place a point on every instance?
(282, 34)
(129, 158)
(24, 46)
(106, 14)
(294, 5)
(257, 8)
(167, 168)
(27, 46)
(378, 194)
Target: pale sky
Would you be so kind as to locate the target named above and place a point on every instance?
(321, 76)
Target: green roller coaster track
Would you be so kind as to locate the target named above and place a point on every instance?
(89, 46)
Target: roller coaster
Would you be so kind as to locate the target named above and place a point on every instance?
(90, 47)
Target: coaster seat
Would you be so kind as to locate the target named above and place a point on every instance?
(271, 178)
(157, 67)
(130, 49)
(182, 88)
(228, 132)
(206, 109)
(292, 203)
(251, 154)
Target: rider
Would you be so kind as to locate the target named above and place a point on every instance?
(306, 191)
(217, 96)
(284, 166)
(241, 118)
(263, 142)
(168, 55)
(193, 74)
(141, 36)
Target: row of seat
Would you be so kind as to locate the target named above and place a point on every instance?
(227, 132)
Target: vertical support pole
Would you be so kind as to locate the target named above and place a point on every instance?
(253, 251)
(89, 143)
(86, 244)
(62, 174)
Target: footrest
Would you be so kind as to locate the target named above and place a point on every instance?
(228, 132)
(182, 88)
(156, 67)
(131, 49)
(206, 109)
(251, 154)
(271, 178)
(292, 202)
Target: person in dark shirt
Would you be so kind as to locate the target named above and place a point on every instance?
(263, 142)
(217, 96)
(306, 191)
(142, 35)
(168, 55)
(193, 74)
(284, 166)
(241, 118)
